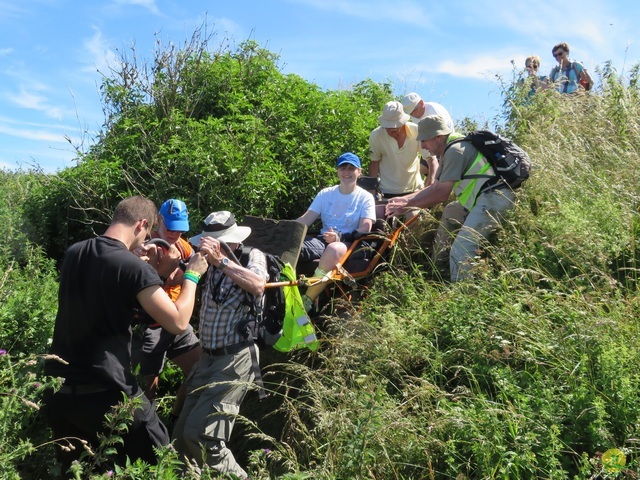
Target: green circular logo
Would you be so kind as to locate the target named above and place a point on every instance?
(613, 460)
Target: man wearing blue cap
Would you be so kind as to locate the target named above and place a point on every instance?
(344, 209)
(151, 343)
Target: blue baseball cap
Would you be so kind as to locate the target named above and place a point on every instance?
(175, 215)
(350, 158)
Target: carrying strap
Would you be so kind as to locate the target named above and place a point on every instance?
(249, 328)
(579, 78)
(248, 331)
(250, 301)
(255, 367)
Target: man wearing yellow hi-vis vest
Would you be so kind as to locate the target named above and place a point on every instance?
(482, 197)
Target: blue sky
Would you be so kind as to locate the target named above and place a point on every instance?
(51, 52)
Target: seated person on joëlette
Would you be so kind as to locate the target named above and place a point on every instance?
(344, 210)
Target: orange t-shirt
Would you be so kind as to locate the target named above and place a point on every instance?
(186, 250)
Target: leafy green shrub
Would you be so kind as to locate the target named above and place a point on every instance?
(28, 285)
(28, 302)
(220, 131)
(21, 386)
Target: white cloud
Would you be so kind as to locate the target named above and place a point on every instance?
(32, 100)
(589, 26)
(7, 166)
(11, 11)
(48, 146)
(32, 134)
(229, 27)
(37, 156)
(586, 24)
(482, 66)
(35, 130)
(5, 52)
(102, 57)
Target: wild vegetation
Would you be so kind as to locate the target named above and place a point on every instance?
(531, 370)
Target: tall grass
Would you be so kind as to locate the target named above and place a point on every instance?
(532, 370)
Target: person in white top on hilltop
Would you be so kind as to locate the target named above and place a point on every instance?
(418, 109)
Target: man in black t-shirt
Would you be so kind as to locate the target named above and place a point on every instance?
(102, 283)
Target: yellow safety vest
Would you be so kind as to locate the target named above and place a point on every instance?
(469, 187)
(297, 330)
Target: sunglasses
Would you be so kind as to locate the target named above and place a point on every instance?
(558, 54)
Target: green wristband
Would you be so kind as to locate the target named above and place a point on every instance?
(191, 277)
(194, 273)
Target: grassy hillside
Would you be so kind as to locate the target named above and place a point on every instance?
(531, 370)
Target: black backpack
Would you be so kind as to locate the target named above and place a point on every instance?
(267, 327)
(510, 163)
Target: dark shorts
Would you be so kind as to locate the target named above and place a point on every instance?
(312, 249)
(151, 345)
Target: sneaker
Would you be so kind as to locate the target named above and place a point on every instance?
(307, 303)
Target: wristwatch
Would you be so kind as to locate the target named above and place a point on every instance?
(223, 263)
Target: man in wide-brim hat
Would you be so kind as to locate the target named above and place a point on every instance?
(229, 363)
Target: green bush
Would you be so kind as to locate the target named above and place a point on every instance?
(223, 131)
(23, 436)
(28, 303)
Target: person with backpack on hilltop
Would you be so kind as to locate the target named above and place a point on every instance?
(568, 76)
(482, 197)
(345, 210)
(230, 361)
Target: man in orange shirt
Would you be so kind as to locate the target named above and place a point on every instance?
(152, 344)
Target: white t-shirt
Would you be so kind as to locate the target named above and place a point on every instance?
(433, 108)
(343, 212)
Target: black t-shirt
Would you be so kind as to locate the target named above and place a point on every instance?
(99, 281)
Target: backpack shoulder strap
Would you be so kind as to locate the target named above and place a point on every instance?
(244, 255)
(574, 66)
(455, 140)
